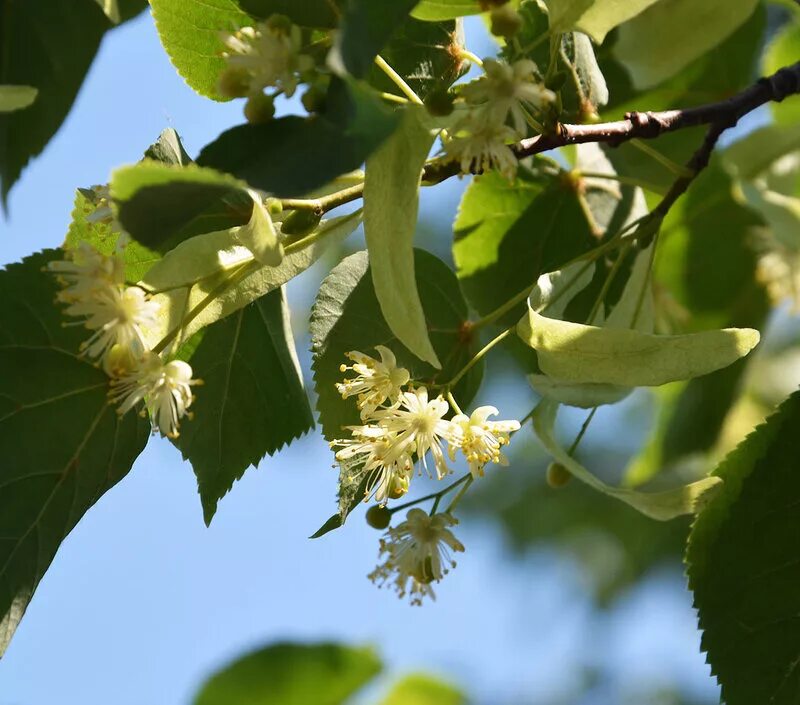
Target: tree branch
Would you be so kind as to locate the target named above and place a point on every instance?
(649, 125)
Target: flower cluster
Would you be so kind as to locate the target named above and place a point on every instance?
(119, 316)
(267, 55)
(404, 427)
(505, 92)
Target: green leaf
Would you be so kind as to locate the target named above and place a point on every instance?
(252, 402)
(743, 569)
(291, 156)
(425, 54)
(671, 34)
(663, 506)
(16, 97)
(391, 203)
(292, 674)
(168, 149)
(190, 33)
(782, 51)
(422, 689)
(160, 205)
(214, 275)
(350, 494)
(435, 10)
(62, 444)
(573, 352)
(365, 29)
(346, 299)
(49, 46)
(308, 13)
(507, 234)
(752, 155)
(120, 10)
(593, 17)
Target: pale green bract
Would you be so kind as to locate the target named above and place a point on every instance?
(215, 275)
(259, 235)
(593, 17)
(391, 202)
(663, 506)
(573, 352)
(16, 97)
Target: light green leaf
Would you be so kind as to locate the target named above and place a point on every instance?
(422, 689)
(214, 275)
(687, 499)
(292, 674)
(574, 352)
(671, 34)
(755, 153)
(783, 50)
(63, 446)
(16, 97)
(252, 402)
(593, 17)
(436, 10)
(160, 204)
(743, 568)
(391, 202)
(190, 32)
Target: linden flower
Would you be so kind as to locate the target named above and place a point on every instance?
(270, 55)
(118, 316)
(480, 439)
(417, 551)
(417, 423)
(375, 382)
(165, 389)
(86, 272)
(484, 148)
(507, 88)
(374, 454)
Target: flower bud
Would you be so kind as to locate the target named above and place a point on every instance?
(399, 487)
(259, 108)
(274, 206)
(378, 517)
(506, 21)
(233, 82)
(300, 222)
(557, 475)
(279, 23)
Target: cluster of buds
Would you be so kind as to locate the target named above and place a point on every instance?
(404, 428)
(505, 93)
(268, 55)
(94, 290)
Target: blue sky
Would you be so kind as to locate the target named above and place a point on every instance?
(142, 599)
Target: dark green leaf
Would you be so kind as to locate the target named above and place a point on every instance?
(62, 444)
(366, 27)
(190, 32)
(292, 674)
(743, 567)
(425, 54)
(347, 299)
(308, 13)
(252, 402)
(161, 205)
(291, 156)
(507, 234)
(48, 45)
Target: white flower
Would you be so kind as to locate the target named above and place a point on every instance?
(480, 439)
(118, 316)
(417, 422)
(485, 147)
(376, 382)
(269, 53)
(374, 454)
(85, 272)
(165, 389)
(507, 88)
(417, 551)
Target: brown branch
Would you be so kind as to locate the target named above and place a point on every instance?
(649, 125)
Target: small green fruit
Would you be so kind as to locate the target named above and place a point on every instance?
(259, 109)
(300, 222)
(557, 475)
(505, 21)
(378, 517)
(439, 102)
(233, 82)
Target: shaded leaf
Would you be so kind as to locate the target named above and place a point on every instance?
(252, 402)
(292, 674)
(743, 568)
(308, 13)
(190, 33)
(63, 446)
